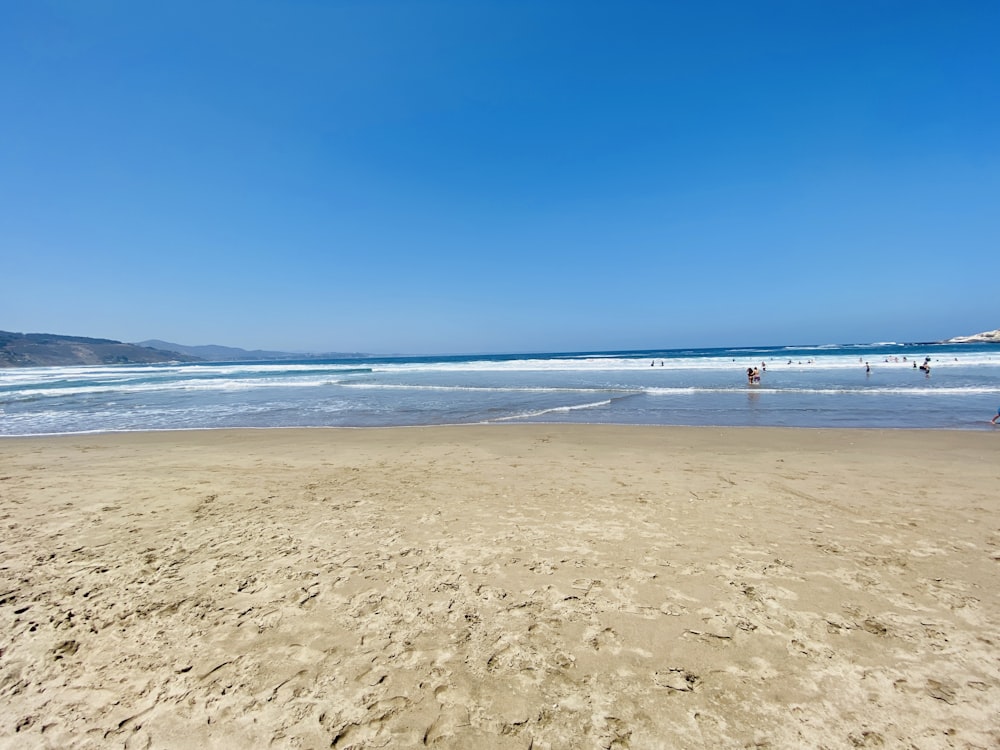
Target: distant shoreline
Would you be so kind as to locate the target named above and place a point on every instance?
(458, 426)
(18, 350)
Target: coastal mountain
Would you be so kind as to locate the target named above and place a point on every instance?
(55, 350)
(215, 353)
(986, 337)
(52, 350)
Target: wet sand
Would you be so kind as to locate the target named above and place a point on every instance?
(501, 587)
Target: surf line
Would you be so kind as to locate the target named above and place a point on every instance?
(554, 409)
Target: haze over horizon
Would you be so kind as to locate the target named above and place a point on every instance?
(446, 177)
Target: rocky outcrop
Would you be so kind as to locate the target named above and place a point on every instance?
(987, 337)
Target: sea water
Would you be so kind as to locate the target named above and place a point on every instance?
(800, 386)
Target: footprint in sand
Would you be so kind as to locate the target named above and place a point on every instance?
(603, 639)
(677, 679)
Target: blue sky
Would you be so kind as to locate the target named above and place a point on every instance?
(430, 177)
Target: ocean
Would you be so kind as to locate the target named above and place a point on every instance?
(800, 386)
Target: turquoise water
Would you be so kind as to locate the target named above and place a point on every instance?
(805, 386)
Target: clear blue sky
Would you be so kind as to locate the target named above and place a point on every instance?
(461, 176)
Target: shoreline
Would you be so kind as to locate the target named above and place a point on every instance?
(697, 387)
(503, 586)
(978, 427)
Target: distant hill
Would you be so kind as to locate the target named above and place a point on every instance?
(52, 350)
(215, 353)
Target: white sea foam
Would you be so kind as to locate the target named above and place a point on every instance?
(119, 373)
(176, 385)
(777, 384)
(552, 410)
(651, 364)
(12, 380)
(475, 388)
(815, 385)
(832, 391)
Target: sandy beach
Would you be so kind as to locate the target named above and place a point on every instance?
(526, 586)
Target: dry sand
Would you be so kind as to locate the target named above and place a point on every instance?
(501, 587)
